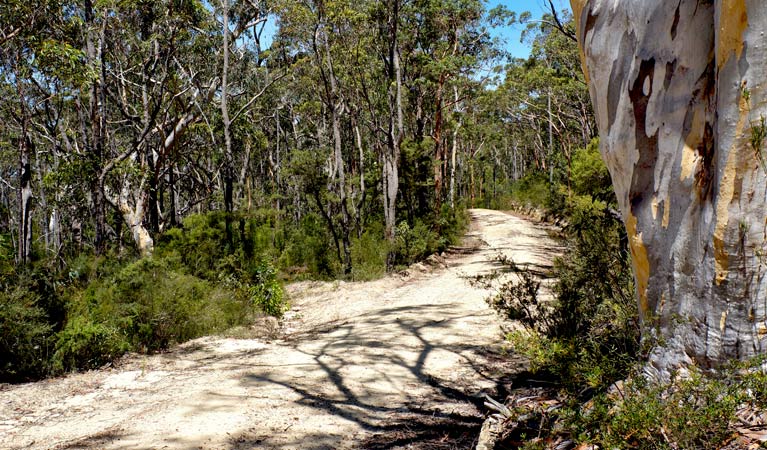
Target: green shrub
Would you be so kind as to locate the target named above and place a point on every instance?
(200, 249)
(199, 245)
(84, 344)
(589, 174)
(25, 336)
(309, 249)
(266, 291)
(695, 411)
(589, 334)
(7, 254)
(369, 253)
(453, 224)
(414, 243)
(147, 306)
(532, 191)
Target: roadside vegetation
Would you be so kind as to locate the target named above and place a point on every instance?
(585, 343)
(85, 312)
(148, 196)
(166, 166)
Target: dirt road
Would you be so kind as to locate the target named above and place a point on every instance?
(395, 363)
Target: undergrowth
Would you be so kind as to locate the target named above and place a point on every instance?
(586, 340)
(587, 336)
(93, 309)
(83, 311)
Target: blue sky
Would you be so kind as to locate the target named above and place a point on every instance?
(511, 35)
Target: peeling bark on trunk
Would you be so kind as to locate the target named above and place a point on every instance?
(679, 95)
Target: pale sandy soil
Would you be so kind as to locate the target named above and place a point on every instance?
(395, 363)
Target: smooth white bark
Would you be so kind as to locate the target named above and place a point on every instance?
(679, 94)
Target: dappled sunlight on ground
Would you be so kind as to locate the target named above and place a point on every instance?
(376, 365)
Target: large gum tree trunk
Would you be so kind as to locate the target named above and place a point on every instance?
(679, 93)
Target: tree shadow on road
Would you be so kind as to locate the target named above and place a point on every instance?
(98, 440)
(447, 414)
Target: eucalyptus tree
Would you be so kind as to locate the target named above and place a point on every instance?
(388, 17)
(242, 24)
(679, 96)
(146, 97)
(323, 32)
(448, 37)
(35, 51)
(545, 98)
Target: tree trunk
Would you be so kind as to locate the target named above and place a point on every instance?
(439, 148)
(341, 173)
(25, 193)
(453, 153)
(680, 101)
(95, 138)
(396, 127)
(360, 204)
(133, 215)
(228, 166)
(551, 141)
(173, 200)
(471, 183)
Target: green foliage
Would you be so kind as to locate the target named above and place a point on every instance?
(309, 250)
(453, 224)
(413, 243)
(694, 411)
(6, 253)
(589, 175)
(84, 344)
(98, 308)
(200, 244)
(146, 306)
(266, 292)
(25, 335)
(198, 282)
(31, 313)
(589, 334)
(202, 249)
(532, 191)
(369, 253)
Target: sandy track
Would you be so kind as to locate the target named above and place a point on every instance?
(395, 363)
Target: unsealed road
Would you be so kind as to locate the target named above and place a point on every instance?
(395, 363)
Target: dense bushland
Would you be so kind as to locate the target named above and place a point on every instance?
(344, 139)
(85, 311)
(82, 312)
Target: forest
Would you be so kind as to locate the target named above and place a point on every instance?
(168, 167)
(149, 141)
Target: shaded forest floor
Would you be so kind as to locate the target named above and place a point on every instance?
(399, 362)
